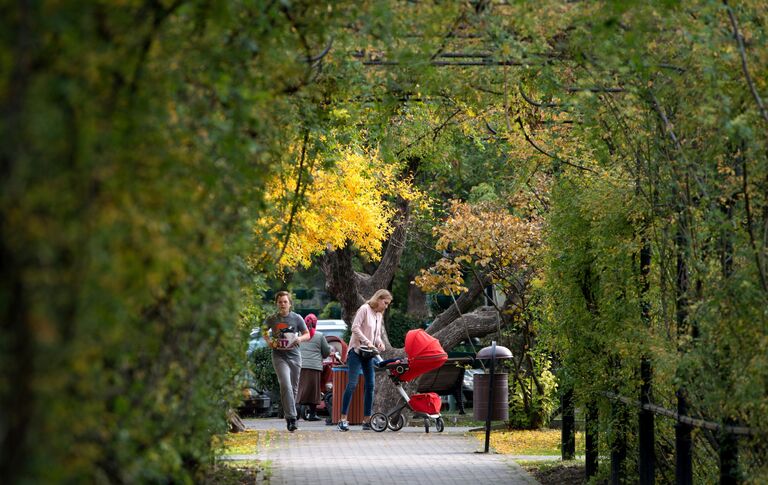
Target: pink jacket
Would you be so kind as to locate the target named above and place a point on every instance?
(366, 328)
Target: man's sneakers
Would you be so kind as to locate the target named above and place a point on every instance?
(291, 424)
(367, 427)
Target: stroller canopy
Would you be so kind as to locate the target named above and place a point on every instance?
(424, 354)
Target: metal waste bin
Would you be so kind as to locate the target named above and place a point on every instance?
(355, 412)
(493, 387)
(500, 406)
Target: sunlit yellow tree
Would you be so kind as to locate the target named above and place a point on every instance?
(326, 207)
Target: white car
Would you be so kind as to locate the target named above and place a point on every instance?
(335, 328)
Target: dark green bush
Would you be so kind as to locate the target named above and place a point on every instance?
(332, 310)
(398, 324)
(263, 371)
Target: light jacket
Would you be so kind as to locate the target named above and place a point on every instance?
(366, 328)
(314, 351)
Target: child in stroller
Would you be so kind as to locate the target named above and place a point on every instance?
(424, 354)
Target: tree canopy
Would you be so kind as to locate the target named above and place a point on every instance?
(160, 158)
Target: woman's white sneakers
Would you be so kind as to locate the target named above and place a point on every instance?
(343, 426)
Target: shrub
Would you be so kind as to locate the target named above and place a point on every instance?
(331, 310)
(398, 324)
(540, 405)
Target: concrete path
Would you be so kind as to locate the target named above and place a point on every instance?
(317, 453)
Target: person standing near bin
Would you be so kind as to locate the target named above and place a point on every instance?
(312, 354)
(366, 333)
(287, 331)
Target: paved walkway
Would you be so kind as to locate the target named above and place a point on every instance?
(317, 453)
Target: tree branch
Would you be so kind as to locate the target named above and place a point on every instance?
(744, 67)
(550, 155)
(390, 260)
(161, 14)
(750, 228)
(534, 103)
(298, 195)
(312, 60)
(463, 303)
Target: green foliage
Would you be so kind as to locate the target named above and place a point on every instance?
(331, 310)
(398, 324)
(263, 370)
(136, 141)
(676, 167)
(535, 411)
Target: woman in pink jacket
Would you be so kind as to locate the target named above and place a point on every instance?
(366, 332)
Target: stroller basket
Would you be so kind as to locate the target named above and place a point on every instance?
(427, 403)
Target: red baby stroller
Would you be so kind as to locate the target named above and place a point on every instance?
(424, 354)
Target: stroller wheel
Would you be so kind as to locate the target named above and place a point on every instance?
(378, 422)
(426, 425)
(439, 425)
(304, 412)
(396, 422)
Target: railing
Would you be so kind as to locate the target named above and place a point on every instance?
(726, 433)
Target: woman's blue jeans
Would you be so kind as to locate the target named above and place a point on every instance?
(357, 366)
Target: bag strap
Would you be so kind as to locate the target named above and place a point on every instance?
(377, 317)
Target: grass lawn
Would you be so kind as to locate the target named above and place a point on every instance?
(543, 442)
(237, 472)
(244, 442)
(529, 442)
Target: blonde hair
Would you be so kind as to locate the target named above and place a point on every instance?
(379, 295)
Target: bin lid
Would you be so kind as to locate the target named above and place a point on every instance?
(501, 353)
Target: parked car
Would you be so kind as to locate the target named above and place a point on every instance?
(332, 328)
(257, 401)
(468, 386)
(255, 341)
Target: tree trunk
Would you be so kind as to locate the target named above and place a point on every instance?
(478, 323)
(592, 436)
(417, 302)
(351, 288)
(464, 303)
(236, 424)
(341, 281)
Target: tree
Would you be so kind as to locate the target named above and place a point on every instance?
(343, 204)
(487, 242)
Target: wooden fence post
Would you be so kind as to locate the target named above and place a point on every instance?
(618, 442)
(591, 431)
(646, 431)
(568, 430)
(683, 444)
(729, 457)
